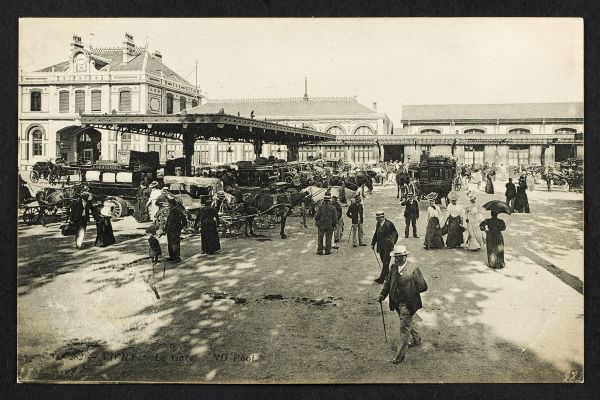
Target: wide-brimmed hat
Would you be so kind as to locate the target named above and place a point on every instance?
(153, 184)
(379, 214)
(452, 196)
(327, 197)
(399, 250)
(432, 196)
(410, 194)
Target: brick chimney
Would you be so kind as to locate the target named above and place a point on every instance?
(157, 55)
(128, 48)
(375, 106)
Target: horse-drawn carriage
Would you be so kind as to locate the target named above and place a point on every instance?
(51, 201)
(435, 174)
(47, 170)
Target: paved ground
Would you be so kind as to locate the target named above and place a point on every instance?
(271, 310)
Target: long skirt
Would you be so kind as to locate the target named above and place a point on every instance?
(489, 187)
(104, 233)
(142, 214)
(455, 230)
(210, 238)
(433, 236)
(475, 240)
(521, 203)
(495, 249)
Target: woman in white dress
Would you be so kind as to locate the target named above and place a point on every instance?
(154, 195)
(474, 216)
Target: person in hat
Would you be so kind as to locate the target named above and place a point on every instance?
(325, 219)
(154, 249)
(511, 193)
(411, 214)
(489, 185)
(104, 231)
(355, 212)
(404, 285)
(473, 216)
(176, 221)
(152, 203)
(433, 235)
(79, 215)
(521, 203)
(339, 226)
(209, 233)
(385, 237)
(454, 222)
(493, 228)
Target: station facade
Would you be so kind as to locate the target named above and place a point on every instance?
(118, 80)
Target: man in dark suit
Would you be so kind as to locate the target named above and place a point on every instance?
(326, 220)
(411, 214)
(511, 193)
(176, 221)
(404, 284)
(385, 238)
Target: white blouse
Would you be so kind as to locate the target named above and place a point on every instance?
(433, 212)
(454, 210)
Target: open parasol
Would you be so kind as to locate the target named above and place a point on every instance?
(498, 207)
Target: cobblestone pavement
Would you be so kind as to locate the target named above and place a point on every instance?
(271, 310)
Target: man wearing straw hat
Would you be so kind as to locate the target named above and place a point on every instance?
(385, 237)
(326, 219)
(404, 284)
(355, 212)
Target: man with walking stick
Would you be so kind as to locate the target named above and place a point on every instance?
(385, 238)
(404, 284)
(355, 212)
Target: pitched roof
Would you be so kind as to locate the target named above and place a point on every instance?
(492, 111)
(285, 106)
(114, 55)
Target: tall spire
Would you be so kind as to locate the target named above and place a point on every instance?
(305, 89)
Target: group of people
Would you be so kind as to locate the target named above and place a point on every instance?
(464, 227)
(516, 196)
(80, 211)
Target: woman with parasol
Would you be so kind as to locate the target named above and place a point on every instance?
(493, 228)
(433, 235)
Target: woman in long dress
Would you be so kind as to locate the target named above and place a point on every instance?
(152, 205)
(454, 220)
(474, 216)
(433, 236)
(489, 186)
(104, 231)
(521, 201)
(209, 222)
(494, 240)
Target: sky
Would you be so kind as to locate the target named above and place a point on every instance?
(391, 61)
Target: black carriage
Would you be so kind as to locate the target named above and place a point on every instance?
(51, 201)
(49, 171)
(436, 174)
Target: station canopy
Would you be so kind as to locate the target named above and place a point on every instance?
(192, 127)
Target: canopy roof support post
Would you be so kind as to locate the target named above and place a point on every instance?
(292, 153)
(188, 139)
(258, 143)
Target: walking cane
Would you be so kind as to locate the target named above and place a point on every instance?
(378, 263)
(383, 319)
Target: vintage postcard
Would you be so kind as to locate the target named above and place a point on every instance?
(353, 200)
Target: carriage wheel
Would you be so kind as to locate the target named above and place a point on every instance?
(262, 221)
(51, 210)
(34, 176)
(31, 215)
(120, 207)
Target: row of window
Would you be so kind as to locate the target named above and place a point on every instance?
(96, 101)
(516, 131)
(338, 130)
(361, 153)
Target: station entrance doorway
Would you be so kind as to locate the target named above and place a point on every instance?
(393, 152)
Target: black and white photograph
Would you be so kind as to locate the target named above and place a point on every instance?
(300, 200)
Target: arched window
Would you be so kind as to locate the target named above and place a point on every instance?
(565, 131)
(430, 131)
(125, 100)
(335, 130)
(37, 137)
(169, 103)
(182, 103)
(126, 141)
(363, 130)
(194, 103)
(519, 131)
(36, 100)
(474, 131)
